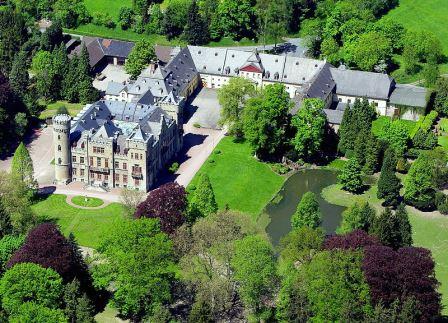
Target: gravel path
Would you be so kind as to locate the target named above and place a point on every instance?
(69, 202)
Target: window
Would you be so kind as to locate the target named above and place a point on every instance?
(340, 99)
(98, 162)
(137, 182)
(59, 147)
(117, 177)
(106, 177)
(74, 159)
(81, 171)
(125, 166)
(59, 161)
(91, 161)
(59, 137)
(106, 163)
(73, 171)
(125, 179)
(81, 160)
(132, 155)
(117, 165)
(82, 146)
(99, 176)
(94, 150)
(141, 156)
(349, 101)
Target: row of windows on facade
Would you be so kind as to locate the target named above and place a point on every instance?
(350, 101)
(100, 177)
(106, 163)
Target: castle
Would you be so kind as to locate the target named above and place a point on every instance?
(125, 139)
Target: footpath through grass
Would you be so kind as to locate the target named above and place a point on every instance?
(88, 226)
(429, 230)
(239, 180)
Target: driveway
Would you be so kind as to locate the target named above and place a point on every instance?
(115, 73)
(205, 109)
(40, 146)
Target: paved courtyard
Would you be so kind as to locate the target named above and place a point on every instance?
(115, 73)
(205, 109)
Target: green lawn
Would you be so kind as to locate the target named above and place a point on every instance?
(87, 201)
(112, 7)
(429, 231)
(50, 109)
(88, 226)
(428, 15)
(238, 179)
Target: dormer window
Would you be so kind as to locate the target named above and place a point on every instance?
(297, 63)
(233, 55)
(216, 54)
(276, 60)
(285, 76)
(205, 67)
(199, 52)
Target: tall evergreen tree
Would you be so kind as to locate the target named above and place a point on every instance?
(360, 147)
(405, 226)
(18, 77)
(196, 30)
(372, 154)
(351, 178)
(22, 166)
(357, 217)
(203, 202)
(389, 184)
(393, 229)
(308, 212)
(69, 84)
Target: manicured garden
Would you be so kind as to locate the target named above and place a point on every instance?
(87, 201)
(239, 180)
(88, 226)
(429, 230)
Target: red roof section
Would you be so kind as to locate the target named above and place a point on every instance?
(251, 68)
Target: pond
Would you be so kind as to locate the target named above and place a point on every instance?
(313, 180)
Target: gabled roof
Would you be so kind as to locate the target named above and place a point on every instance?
(409, 95)
(101, 47)
(251, 68)
(362, 84)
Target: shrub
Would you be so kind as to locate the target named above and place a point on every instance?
(196, 125)
(402, 166)
(217, 152)
(174, 167)
(280, 169)
(103, 19)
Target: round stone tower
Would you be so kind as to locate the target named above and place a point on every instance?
(62, 155)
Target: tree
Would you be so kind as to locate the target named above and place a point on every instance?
(140, 56)
(168, 204)
(13, 33)
(77, 305)
(389, 184)
(232, 98)
(71, 13)
(34, 313)
(237, 19)
(131, 199)
(419, 184)
(196, 30)
(335, 286)
(126, 17)
(8, 245)
(18, 77)
(393, 229)
(140, 263)
(203, 201)
(254, 266)
(30, 283)
(307, 213)
(357, 217)
(266, 121)
(175, 18)
(407, 272)
(310, 124)
(430, 74)
(46, 246)
(441, 96)
(350, 178)
(368, 51)
(354, 240)
(22, 166)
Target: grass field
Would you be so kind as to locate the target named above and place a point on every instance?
(88, 226)
(428, 15)
(238, 179)
(87, 201)
(51, 108)
(112, 7)
(429, 230)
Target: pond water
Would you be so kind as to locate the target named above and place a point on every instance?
(313, 180)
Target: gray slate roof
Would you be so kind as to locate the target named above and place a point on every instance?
(409, 95)
(362, 84)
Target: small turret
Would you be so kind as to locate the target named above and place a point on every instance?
(62, 152)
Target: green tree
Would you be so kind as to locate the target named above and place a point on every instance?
(308, 212)
(237, 19)
(266, 121)
(140, 56)
(441, 96)
(8, 245)
(140, 263)
(335, 286)
(372, 154)
(310, 123)
(419, 185)
(22, 166)
(232, 98)
(196, 30)
(27, 282)
(31, 312)
(351, 178)
(389, 184)
(175, 18)
(77, 305)
(203, 201)
(19, 78)
(358, 216)
(255, 272)
(430, 74)
(393, 229)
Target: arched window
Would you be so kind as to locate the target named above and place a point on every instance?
(59, 147)
(82, 145)
(59, 137)
(59, 161)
